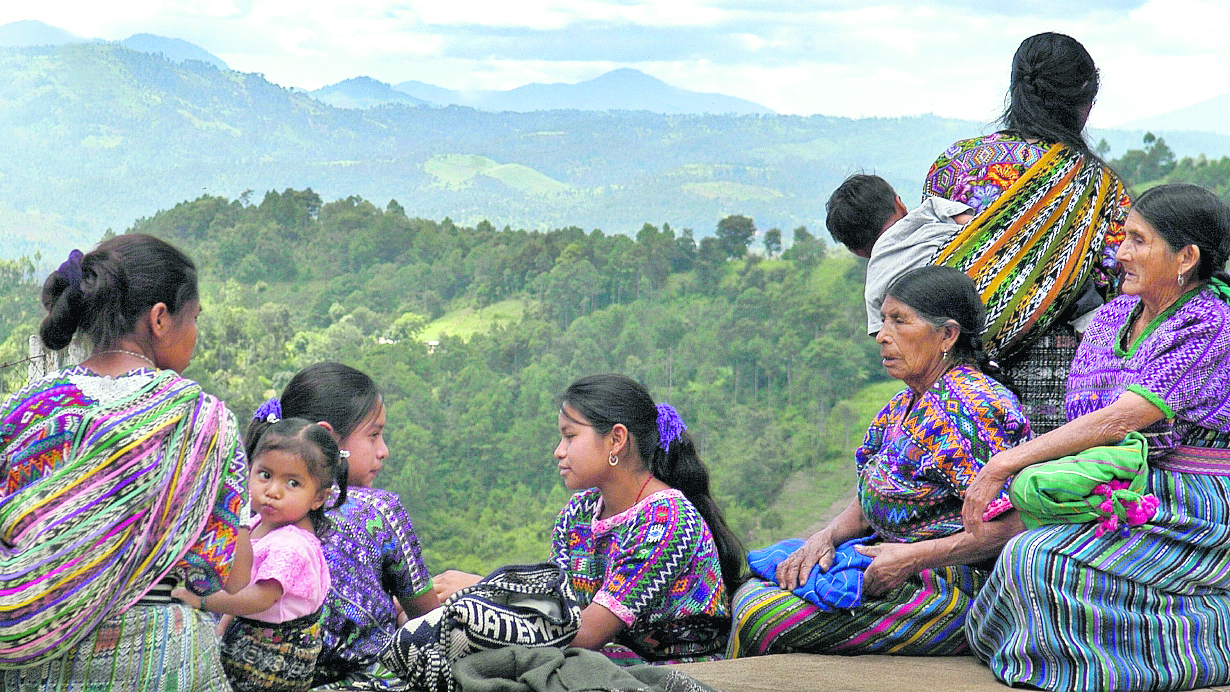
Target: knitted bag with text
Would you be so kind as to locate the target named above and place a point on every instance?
(527, 605)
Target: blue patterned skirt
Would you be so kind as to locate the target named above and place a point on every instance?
(1065, 610)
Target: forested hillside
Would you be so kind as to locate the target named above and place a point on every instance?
(757, 352)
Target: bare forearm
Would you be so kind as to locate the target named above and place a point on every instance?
(964, 548)
(250, 600)
(849, 524)
(1102, 427)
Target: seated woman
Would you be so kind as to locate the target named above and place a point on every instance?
(1067, 610)
(1049, 217)
(920, 454)
(372, 550)
(651, 559)
(145, 469)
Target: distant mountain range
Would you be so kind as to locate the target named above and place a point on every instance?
(31, 32)
(623, 89)
(1207, 116)
(97, 135)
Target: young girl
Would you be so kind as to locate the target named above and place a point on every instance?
(373, 550)
(648, 552)
(274, 641)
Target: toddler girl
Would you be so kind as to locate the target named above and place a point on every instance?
(275, 636)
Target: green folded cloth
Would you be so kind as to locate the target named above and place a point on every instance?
(1103, 484)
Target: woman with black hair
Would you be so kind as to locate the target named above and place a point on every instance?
(1147, 606)
(118, 480)
(372, 550)
(649, 555)
(1049, 215)
(920, 454)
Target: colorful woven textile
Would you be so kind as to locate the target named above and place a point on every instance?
(1032, 250)
(655, 566)
(271, 657)
(921, 453)
(913, 469)
(924, 617)
(1065, 610)
(1039, 371)
(162, 648)
(375, 556)
(978, 170)
(110, 484)
(839, 586)
(1104, 483)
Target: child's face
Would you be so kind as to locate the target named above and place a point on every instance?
(367, 449)
(282, 489)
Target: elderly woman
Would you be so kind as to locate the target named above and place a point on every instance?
(1049, 217)
(1065, 609)
(920, 454)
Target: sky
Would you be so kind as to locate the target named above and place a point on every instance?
(850, 58)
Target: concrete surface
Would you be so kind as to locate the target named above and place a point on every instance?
(791, 672)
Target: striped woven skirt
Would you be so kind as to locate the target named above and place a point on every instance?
(147, 648)
(924, 617)
(272, 656)
(1065, 610)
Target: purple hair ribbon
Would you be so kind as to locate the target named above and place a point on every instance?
(670, 425)
(270, 411)
(71, 269)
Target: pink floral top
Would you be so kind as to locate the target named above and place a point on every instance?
(292, 557)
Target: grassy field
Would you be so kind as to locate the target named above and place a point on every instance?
(456, 171)
(467, 322)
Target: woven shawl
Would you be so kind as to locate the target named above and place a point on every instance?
(129, 499)
(1032, 250)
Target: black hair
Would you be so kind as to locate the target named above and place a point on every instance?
(1185, 214)
(939, 294)
(609, 398)
(1053, 81)
(858, 209)
(314, 445)
(331, 392)
(119, 281)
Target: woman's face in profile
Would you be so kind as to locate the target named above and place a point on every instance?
(911, 350)
(1149, 265)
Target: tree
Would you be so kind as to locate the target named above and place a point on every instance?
(734, 234)
(772, 242)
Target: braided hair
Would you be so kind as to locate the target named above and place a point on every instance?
(1053, 84)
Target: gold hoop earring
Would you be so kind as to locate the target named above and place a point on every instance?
(612, 459)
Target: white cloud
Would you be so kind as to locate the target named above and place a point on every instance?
(836, 57)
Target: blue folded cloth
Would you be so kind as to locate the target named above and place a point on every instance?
(841, 586)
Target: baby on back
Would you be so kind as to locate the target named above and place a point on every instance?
(867, 216)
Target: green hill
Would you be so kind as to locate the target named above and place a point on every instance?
(98, 135)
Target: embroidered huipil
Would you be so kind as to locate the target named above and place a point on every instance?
(922, 452)
(655, 566)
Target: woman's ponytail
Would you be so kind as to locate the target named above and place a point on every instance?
(680, 467)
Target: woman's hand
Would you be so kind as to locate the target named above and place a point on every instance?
(891, 565)
(188, 598)
(451, 581)
(818, 550)
(987, 486)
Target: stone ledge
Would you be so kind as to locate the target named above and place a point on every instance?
(791, 672)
